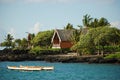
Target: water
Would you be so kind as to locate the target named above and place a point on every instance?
(63, 71)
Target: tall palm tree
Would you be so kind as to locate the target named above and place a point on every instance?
(68, 26)
(30, 40)
(87, 20)
(8, 40)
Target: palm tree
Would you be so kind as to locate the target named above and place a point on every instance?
(103, 22)
(68, 26)
(30, 40)
(94, 23)
(76, 35)
(87, 20)
(8, 40)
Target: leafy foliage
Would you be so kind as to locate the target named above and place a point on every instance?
(93, 23)
(69, 26)
(8, 41)
(30, 40)
(87, 20)
(113, 56)
(75, 36)
(40, 51)
(98, 39)
(43, 39)
(21, 44)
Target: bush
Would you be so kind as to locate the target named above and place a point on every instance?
(40, 51)
(65, 50)
(51, 51)
(35, 50)
(112, 48)
(113, 56)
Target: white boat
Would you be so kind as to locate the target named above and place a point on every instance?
(48, 68)
(14, 68)
(30, 68)
(24, 68)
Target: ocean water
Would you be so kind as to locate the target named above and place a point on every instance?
(62, 71)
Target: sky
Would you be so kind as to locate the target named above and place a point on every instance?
(20, 16)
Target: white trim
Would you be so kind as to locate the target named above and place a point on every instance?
(54, 36)
(58, 36)
(56, 47)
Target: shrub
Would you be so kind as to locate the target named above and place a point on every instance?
(40, 51)
(35, 50)
(113, 56)
(112, 48)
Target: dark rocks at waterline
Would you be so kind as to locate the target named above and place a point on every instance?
(77, 59)
(56, 58)
(52, 58)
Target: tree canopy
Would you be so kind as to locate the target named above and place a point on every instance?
(97, 35)
(88, 21)
(8, 41)
(69, 26)
(43, 39)
(98, 38)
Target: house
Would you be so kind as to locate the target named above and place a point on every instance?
(61, 39)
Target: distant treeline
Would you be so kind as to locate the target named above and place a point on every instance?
(100, 38)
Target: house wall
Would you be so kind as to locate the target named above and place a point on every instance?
(56, 39)
(56, 43)
(66, 44)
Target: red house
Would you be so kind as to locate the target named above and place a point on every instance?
(61, 39)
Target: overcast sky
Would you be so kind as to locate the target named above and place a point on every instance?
(20, 16)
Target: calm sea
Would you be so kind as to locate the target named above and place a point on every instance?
(62, 71)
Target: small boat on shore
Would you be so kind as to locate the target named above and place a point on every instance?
(31, 68)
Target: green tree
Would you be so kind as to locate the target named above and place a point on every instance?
(18, 43)
(69, 26)
(30, 40)
(94, 23)
(43, 39)
(103, 22)
(98, 39)
(108, 37)
(76, 35)
(24, 43)
(87, 20)
(8, 41)
(3, 44)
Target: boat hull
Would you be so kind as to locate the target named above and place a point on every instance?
(30, 68)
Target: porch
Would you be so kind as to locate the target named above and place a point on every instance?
(56, 46)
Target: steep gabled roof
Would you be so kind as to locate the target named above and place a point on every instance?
(65, 35)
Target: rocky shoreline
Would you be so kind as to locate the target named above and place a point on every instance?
(24, 55)
(57, 58)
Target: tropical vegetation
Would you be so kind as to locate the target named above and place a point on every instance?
(96, 36)
(113, 56)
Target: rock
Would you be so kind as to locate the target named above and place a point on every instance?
(24, 55)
